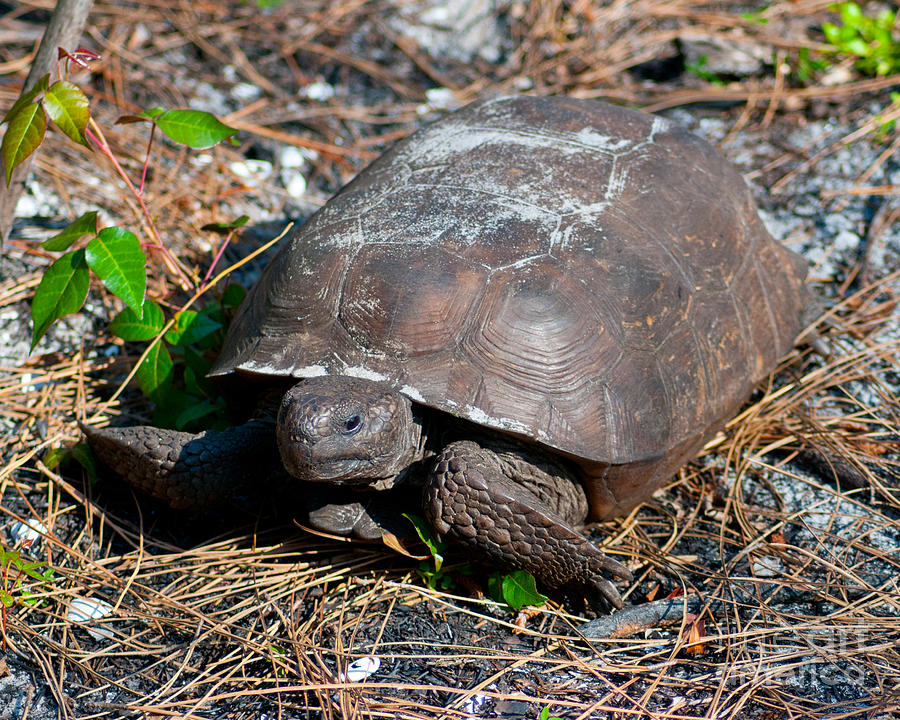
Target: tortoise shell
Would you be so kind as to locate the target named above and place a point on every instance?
(591, 278)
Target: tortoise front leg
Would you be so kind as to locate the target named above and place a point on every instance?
(473, 496)
(187, 470)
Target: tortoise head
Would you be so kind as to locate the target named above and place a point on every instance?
(346, 430)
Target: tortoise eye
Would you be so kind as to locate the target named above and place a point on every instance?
(352, 424)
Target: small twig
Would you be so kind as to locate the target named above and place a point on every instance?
(637, 618)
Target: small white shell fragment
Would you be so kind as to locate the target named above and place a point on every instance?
(296, 186)
(201, 160)
(245, 92)
(27, 533)
(360, 669)
(251, 171)
(320, 91)
(83, 610)
(28, 386)
(291, 157)
(473, 705)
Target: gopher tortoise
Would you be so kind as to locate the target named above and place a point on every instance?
(538, 308)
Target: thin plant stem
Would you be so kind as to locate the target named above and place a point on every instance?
(96, 135)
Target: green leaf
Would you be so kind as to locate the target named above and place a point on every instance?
(27, 97)
(225, 228)
(195, 369)
(23, 136)
(233, 296)
(85, 457)
(851, 13)
(519, 590)
(154, 374)
(194, 128)
(195, 411)
(31, 569)
(755, 17)
(62, 290)
(190, 327)
(84, 225)
(116, 256)
(69, 109)
(545, 714)
(128, 326)
(54, 456)
(426, 535)
(858, 47)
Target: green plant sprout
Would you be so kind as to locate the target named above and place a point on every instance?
(431, 571)
(516, 589)
(545, 714)
(13, 589)
(870, 39)
(887, 127)
(699, 68)
(807, 65)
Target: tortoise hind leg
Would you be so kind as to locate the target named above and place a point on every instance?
(474, 494)
(187, 470)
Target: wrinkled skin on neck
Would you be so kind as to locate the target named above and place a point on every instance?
(347, 430)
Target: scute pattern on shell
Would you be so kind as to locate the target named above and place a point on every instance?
(587, 276)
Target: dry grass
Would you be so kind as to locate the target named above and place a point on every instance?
(795, 570)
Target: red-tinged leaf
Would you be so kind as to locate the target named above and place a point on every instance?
(69, 109)
(130, 119)
(23, 136)
(62, 290)
(129, 326)
(194, 128)
(25, 98)
(84, 225)
(154, 374)
(117, 258)
(79, 56)
(696, 633)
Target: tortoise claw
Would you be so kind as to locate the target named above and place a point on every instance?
(608, 592)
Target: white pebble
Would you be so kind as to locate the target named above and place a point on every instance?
(201, 160)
